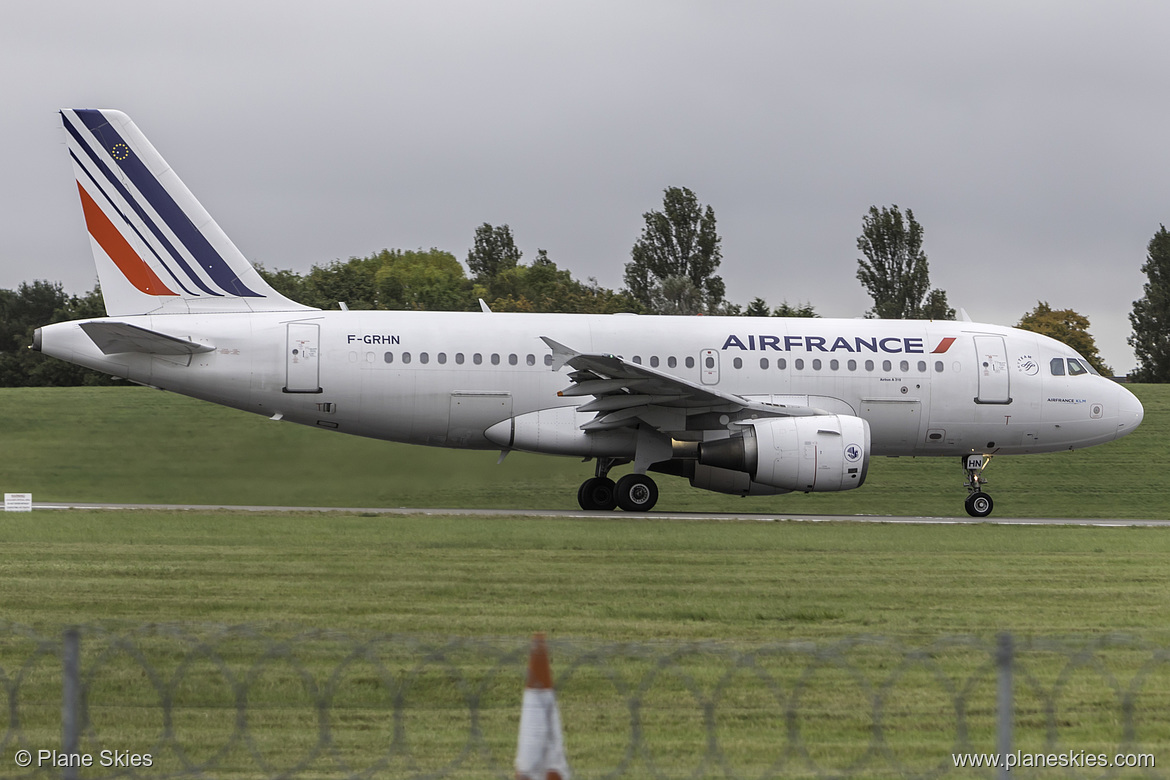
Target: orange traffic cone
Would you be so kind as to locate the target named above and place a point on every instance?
(540, 752)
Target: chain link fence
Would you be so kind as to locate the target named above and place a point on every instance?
(250, 702)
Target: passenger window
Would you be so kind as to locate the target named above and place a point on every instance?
(835, 364)
(671, 362)
(512, 359)
(388, 357)
(798, 364)
(442, 356)
(477, 358)
(887, 365)
(816, 364)
(781, 363)
(690, 362)
(869, 365)
(922, 366)
(1076, 368)
(405, 357)
(852, 365)
(904, 365)
(459, 358)
(638, 359)
(709, 362)
(1057, 366)
(763, 362)
(530, 360)
(653, 361)
(938, 366)
(548, 360)
(495, 358)
(737, 363)
(424, 358)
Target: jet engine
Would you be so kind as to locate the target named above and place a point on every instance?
(809, 454)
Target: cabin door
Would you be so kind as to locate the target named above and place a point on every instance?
(302, 358)
(992, 368)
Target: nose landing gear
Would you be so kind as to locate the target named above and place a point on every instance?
(978, 503)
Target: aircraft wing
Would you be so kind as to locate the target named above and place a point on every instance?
(626, 394)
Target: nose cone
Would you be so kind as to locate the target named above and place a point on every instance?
(1129, 412)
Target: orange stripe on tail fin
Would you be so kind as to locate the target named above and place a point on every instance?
(133, 267)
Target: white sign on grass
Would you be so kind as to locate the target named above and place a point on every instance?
(18, 502)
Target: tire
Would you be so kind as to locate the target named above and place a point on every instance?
(636, 493)
(597, 494)
(978, 504)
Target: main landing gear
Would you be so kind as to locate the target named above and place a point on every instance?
(978, 503)
(633, 492)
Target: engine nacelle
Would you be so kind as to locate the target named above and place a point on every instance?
(736, 483)
(819, 453)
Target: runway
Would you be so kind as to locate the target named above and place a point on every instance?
(569, 514)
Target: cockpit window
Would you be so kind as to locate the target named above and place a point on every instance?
(1057, 366)
(1076, 367)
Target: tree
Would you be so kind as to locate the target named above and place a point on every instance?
(351, 283)
(759, 308)
(542, 287)
(895, 272)
(1067, 327)
(414, 279)
(799, 310)
(24, 310)
(1150, 317)
(672, 265)
(494, 252)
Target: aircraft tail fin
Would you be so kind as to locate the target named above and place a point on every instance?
(156, 248)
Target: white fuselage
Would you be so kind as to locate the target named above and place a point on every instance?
(452, 379)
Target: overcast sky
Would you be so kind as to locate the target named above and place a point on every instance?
(1032, 140)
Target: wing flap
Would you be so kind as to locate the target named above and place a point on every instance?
(629, 394)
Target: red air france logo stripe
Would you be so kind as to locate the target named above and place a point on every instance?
(114, 245)
(943, 345)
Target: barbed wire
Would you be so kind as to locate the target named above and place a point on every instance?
(255, 702)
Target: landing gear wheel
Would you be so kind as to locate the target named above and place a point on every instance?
(978, 504)
(636, 493)
(597, 493)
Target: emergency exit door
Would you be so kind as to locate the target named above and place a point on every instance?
(302, 358)
(709, 366)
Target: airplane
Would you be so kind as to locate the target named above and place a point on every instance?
(736, 405)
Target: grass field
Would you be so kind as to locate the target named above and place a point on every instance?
(137, 445)
(741, 584)
(588, 583)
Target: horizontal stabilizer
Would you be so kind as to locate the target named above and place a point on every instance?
(114, 337)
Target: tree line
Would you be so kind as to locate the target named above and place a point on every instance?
(673, 269)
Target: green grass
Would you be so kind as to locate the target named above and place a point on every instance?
(159, 583)
(131, 444)
(612, 579)
(665, 584)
